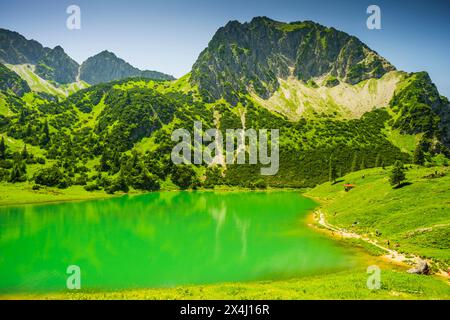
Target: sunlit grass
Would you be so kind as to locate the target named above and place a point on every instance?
(343, 285)
(414, 219)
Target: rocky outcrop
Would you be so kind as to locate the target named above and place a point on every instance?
(57, 66)
(421, 268)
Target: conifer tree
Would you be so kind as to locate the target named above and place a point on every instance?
(397, 175)
(419, 155)
(353, 168)
(363, 164)
(378, 161)
(46, 137)
(2, 149)
(24, 153)
(332, 171)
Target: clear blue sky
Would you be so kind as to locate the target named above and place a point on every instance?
(168, 35)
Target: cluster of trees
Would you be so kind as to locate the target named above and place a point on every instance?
(423, 154)
(428, 150)
(135, 113)
(307, 146)
(13, 165)
(30, 128)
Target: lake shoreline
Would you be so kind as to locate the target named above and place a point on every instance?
(342, 213)
(45, 194)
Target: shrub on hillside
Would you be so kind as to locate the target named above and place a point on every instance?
(50, 177)
(184, 176)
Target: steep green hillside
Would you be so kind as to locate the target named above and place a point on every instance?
(11, 81)
(414, 219)
(96, 129)
(105, 121)
(37, 84)
(418, 107)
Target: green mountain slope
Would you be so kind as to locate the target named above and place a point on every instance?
(420, 108)
(28, 73)
(105, 121)
(9, 80)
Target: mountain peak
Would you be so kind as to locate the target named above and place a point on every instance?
(252, 56)
(51, 64)
(16, 49)
(107, 66)
(55, 65)
(262, 19)
(107, 53)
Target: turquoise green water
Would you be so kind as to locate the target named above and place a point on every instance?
(162, 240)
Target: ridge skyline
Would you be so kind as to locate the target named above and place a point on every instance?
(155, 39)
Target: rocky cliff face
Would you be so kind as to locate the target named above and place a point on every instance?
(51, 64)
(15, 49)
(57, 66)
(252, 56)
(106, 66)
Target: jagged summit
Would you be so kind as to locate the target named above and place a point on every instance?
(56, 66)
(106, 66)
(252, 56)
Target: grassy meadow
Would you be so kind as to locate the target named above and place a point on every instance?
(23, 193)
(412, 219)
(349, 284)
